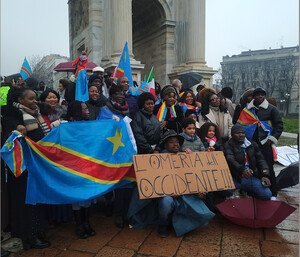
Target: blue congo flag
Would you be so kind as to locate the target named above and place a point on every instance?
(67, 167)
(25, 70)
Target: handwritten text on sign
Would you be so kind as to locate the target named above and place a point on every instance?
(176, 174)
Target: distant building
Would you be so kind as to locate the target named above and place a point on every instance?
(275, 70)
(44, 70)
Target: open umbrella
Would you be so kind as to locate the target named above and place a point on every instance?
(288, 176)
(190, 79)
(255, 213)
(15, 76)
(67, 67)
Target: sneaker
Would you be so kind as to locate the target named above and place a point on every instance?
(234, 195)
(273, 198)
(163, 231)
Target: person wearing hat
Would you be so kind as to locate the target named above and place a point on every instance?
(97, 81)
(246, 98)
(167, 111)
(100, 72)
(264, 126)
(246, 162)
(171, 143)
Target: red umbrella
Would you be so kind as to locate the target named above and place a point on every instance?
(255, 213)
(67, 67)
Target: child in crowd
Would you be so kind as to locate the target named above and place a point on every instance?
(210, 136)
(192, 142)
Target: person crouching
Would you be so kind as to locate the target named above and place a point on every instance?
(248, 168)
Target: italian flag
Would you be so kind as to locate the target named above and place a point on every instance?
(150, 82)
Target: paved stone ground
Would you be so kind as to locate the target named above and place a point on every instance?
(219, 238)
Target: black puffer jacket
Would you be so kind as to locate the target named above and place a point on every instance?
(147, 131)
(236, 160)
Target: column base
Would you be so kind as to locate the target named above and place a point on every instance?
(136, 67)
(201, 68)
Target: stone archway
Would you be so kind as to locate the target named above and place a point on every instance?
(166, 34)
(153, 37)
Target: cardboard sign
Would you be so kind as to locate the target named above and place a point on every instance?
(166, 174)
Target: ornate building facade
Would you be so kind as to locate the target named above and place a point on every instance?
(275, 70)
(166, 34)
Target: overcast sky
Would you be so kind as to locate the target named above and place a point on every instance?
(40, 27)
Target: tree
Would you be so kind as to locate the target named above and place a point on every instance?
(34, 61)
(287, 79)
(270, 76)
(40, 69)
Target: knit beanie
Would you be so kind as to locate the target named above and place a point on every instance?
(237, 128)
(258, 90)
(167, 90)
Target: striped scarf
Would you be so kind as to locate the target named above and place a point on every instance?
(32, 119)
(163, 110)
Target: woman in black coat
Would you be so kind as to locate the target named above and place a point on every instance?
(145, 125)
(27, 221)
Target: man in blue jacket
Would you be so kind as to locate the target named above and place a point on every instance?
(129, 98)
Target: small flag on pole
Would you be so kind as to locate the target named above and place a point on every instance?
(25, 70)
(150, 82)
(124, 67)
(148, 85)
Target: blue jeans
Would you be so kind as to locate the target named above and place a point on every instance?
(254, 187)
(165, 208)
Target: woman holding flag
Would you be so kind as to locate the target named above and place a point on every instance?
(188, 101)
(27, 221)
(169, 114)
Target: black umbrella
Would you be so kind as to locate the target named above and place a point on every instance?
(190, 79)
(288, 176)
(15, 76)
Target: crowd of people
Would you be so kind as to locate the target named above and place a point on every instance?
(173, 120)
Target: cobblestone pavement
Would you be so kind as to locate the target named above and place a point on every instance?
(219, 238)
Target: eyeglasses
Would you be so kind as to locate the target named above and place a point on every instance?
(215, 99)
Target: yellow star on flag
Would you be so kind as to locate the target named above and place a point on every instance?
(116, 140)
(9, 144)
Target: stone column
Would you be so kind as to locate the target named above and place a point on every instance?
(121, 26)
(195, 39)
(117, 32)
